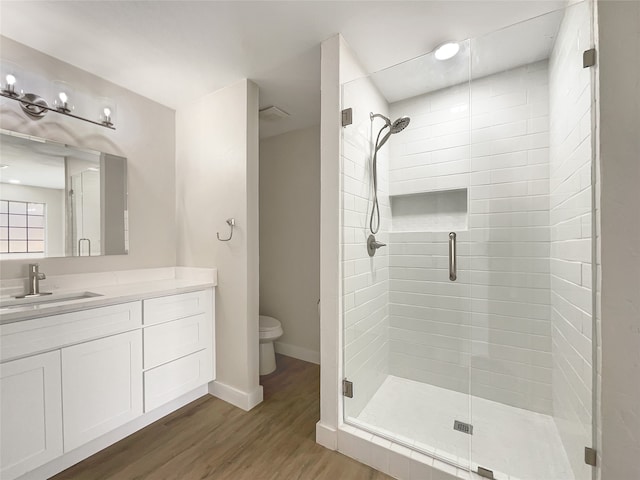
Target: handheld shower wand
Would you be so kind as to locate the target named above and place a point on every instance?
(395, 127)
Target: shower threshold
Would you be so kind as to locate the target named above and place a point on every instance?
(519, 443)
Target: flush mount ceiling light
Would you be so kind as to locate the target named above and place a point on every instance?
(447, 50)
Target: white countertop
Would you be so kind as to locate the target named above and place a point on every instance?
(117, 287)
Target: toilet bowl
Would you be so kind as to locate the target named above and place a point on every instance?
(270, 330)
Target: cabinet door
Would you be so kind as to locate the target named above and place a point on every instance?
(31, 413)
(101, 386)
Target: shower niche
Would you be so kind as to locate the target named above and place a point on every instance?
(438, 211)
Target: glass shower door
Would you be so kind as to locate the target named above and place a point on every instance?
(530, 252)
(406, 322)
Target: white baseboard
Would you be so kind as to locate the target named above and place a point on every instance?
(297, 352)
(326, 436)
(85, 451)
(238, 398)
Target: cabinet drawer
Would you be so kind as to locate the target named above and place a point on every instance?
(47, 333)
(169, 381)
(171, 340)
(164, 309)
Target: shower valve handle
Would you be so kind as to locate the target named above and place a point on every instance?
(373, 245)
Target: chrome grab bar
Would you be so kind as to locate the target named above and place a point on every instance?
(80, 246)
(453, 268)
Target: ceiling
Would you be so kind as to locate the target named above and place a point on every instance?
(516, 45)
(175, 52)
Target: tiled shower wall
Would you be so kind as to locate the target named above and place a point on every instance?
(496, 316)
(366, 279)
(571, 246)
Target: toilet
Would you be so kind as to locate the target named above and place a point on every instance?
(270, 330)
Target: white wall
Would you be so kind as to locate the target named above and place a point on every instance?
(290, 239)
(217, 178)
(365, 279)
(145, 135)
(495, 317)
(571, 245)
(54, 200)
(619, 152)
(338, 66)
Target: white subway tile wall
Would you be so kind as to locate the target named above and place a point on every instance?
(365, 279)
(489, 332)
(571, 246)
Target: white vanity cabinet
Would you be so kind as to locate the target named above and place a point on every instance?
(31, 413)
(71, 378)
(101, 386)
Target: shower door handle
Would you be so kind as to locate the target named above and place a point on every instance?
(453, 267)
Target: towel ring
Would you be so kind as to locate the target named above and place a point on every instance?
(231, 222)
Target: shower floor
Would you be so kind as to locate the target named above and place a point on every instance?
(520, 444)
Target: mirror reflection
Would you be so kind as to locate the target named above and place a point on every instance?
(57, 200)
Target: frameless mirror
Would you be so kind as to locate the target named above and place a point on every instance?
(57, 200)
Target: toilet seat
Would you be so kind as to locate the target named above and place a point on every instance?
(269, 327)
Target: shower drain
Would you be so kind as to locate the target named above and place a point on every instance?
(463, 427)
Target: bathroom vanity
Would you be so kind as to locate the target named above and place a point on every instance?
(78, 375)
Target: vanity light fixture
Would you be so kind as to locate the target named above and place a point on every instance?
(447, 50)
(36, 107)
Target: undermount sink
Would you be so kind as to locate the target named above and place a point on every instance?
(43, 298)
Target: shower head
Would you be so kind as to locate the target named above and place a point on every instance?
(395, 127)
(400, 124)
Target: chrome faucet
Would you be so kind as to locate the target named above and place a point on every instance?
(34, 279)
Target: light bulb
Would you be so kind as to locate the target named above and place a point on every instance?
(9, 88)
(63, 97)
(107, 112)
(447, 51)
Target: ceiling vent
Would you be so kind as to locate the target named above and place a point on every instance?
(272, 114)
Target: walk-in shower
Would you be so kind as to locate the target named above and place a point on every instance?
(487, 367)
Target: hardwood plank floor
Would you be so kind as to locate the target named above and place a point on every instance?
(211, 439)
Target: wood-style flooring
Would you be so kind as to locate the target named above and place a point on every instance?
(212, 439)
